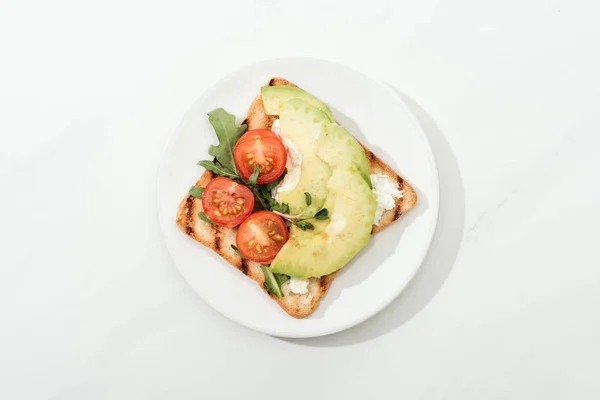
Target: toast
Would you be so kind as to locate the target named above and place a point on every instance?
(220, 238)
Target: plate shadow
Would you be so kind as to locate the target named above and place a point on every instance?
(440, 257)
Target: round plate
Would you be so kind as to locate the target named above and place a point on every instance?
(373, 113)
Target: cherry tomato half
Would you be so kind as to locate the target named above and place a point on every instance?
(226, 202)
(261, 236)
(259, 134)
(263, 148)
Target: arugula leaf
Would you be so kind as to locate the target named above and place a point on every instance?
(271, 283)
(196, 191)
(308, 198)
(228, 133)
(260, 203)
(204, 218)
(269, 186)
(254, 176)
(218, 169)
(322, 214)
(266, 197)
(234, 247)
(262, 193)
(281, 278)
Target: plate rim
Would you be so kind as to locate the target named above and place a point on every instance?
(433, 203)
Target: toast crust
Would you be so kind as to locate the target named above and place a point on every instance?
(220, 239)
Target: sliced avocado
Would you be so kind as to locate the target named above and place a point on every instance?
(275, 96)
(333, 242)
(336, 145)
(300, 123)
(351, 206)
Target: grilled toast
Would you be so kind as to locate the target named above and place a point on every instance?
(220, 238)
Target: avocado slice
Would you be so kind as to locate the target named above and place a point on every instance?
(333, 242)
(275, 96)
(300, 123)
(335, 145)
(351, 205)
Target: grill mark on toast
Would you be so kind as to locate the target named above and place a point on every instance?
(217, 240)
(244, 266)
(397, 213)
(272, 82)
(323, 280)
(398, 210)
(189, 203)
(189, 206)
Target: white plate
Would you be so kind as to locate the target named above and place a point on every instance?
(374, 114)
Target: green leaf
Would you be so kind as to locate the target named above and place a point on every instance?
(218, 169)
(266, 197)
(271, 283)
(308, 198)
(196, 191)
(234, 247)
(260, 203)
(283, 208)
(305, 225)
(269, 186)
(262, 193)
(204, 218)
(254, 175)
(228, 134)
(322, 214)
(281, 278)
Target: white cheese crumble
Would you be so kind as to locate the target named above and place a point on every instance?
(276, 127)
(299, 285)
(337, 223)
(386, 191)
(294, 162)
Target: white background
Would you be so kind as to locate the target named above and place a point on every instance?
(505, 305)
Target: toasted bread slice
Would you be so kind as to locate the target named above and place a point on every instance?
(220, 238)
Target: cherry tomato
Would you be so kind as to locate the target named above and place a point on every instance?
(226, 202)
(261, 236)
(263, 148)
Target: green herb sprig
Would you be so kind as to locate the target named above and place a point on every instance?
(298, 220)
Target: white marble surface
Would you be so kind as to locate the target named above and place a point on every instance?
(505, 305)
